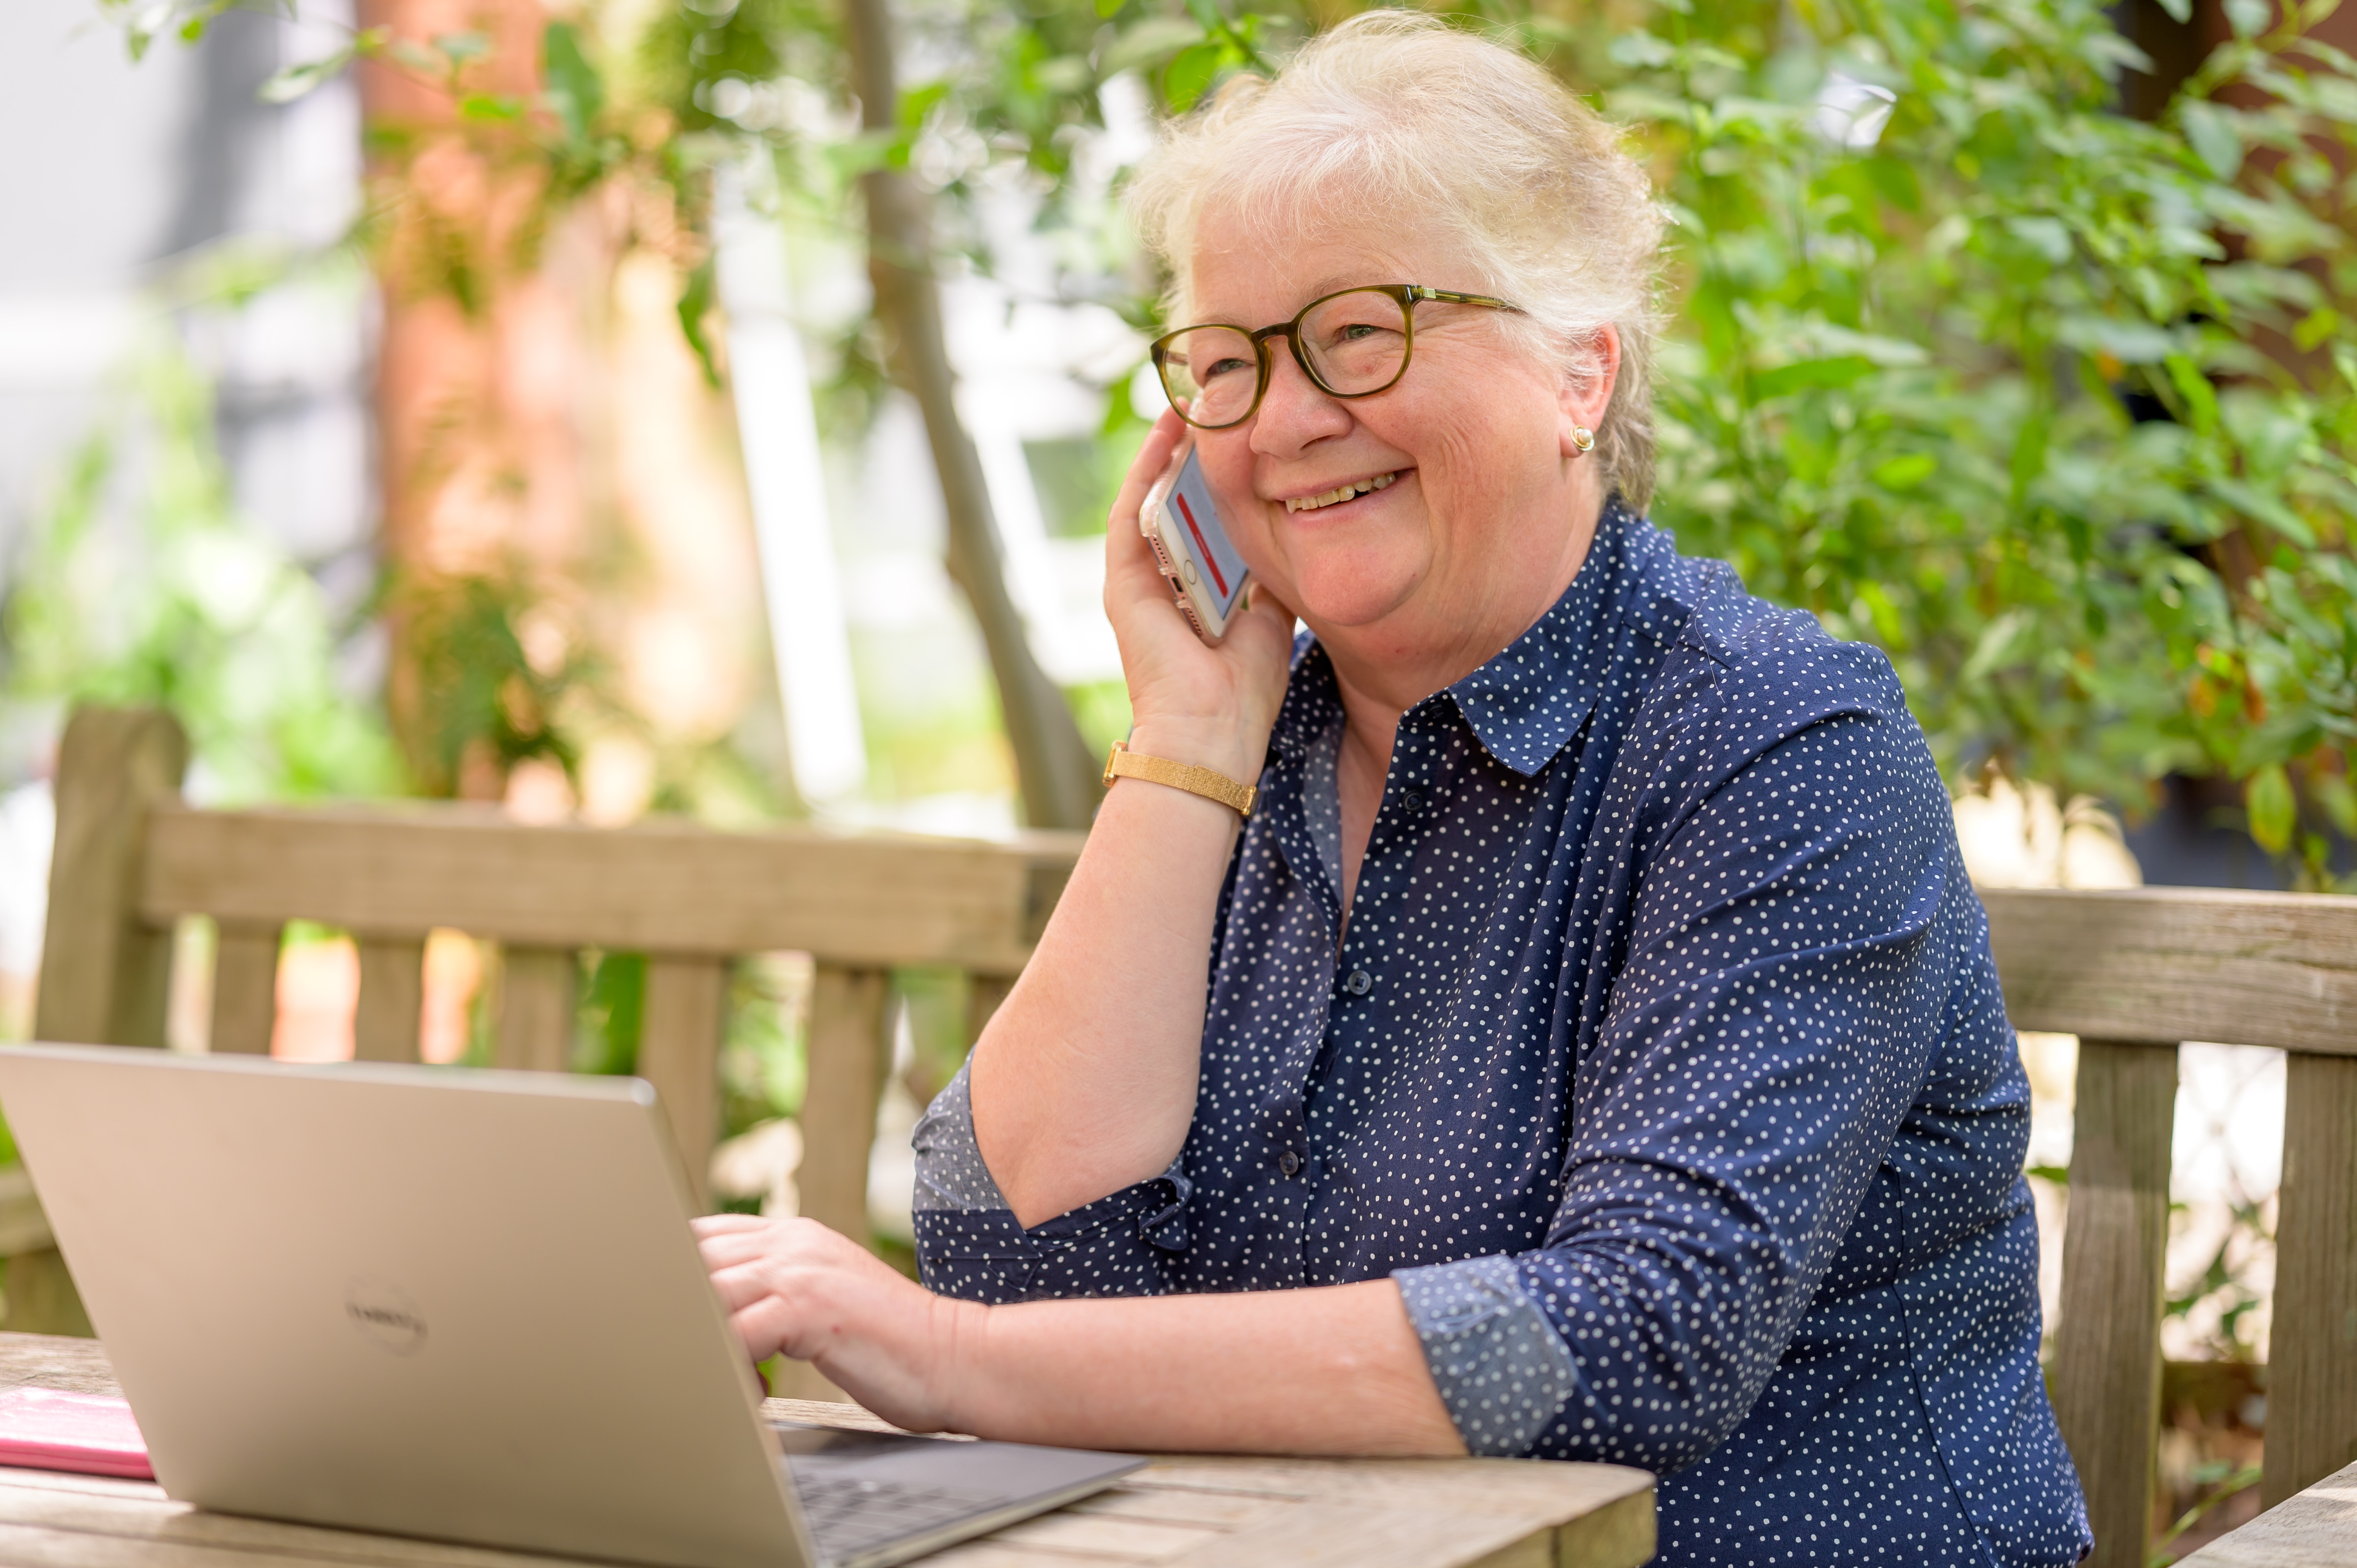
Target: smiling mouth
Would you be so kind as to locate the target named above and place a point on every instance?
(1341, 493)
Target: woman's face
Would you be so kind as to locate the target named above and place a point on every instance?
(1489, 508)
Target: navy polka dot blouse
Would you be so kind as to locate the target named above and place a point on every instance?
(1663, 1065)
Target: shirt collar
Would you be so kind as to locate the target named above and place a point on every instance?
(1529, 701)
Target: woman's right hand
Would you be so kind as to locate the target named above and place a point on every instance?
(1188, 702)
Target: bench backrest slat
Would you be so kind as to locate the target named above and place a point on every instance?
(245, 986)
(848, 1057)
(2312, 1350)
(679, 1050)
(2166, 964)
(2106, 1382)
(393, 999)
(538, 991)
(649, 887)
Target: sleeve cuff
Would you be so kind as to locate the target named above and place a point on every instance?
(1503, 1373)
(968, 1243)
(949, 1171)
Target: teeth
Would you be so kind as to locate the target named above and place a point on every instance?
(1340, 493)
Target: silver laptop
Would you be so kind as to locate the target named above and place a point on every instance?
(459, 1305)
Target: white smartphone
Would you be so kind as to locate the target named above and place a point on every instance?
(1191, 545)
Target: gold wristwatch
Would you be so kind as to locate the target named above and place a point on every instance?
(1124, 763)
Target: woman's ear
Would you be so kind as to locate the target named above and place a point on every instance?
(1586, 389)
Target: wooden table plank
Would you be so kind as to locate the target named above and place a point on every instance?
(2317, 1528)
(1181, 1512)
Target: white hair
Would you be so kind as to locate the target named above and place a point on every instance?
(1447, 130)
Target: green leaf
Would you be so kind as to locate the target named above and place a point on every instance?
(460, 47)
(1836, 370)
(2268, 797)
(696, 302)
(1907, 472)
(295, 81)
(1143, 43)
(575, 91)
(2200, 397)
(286, 86)
(2212, 132)
(1996, 647)
(491, 108)
(2049, 237)
(2249, 19)
(1189, 74)
(2339, 801)
(2255, 502)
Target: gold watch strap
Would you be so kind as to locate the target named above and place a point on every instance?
(1124, 763)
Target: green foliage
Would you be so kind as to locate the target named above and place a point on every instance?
(1994, 390)
(2052, 405)
(481, 704)
(141, 586)
(763, 1055)
(611, 1014)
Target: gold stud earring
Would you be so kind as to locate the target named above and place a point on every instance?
(1582, 438)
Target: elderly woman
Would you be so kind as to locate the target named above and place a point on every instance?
(1601, 1056)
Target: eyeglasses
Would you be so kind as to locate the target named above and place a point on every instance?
(1355, 343)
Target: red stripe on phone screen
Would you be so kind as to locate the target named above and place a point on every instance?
(1210, 561)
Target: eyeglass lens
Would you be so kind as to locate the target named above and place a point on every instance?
(1351, 344)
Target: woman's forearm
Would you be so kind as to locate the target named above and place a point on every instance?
(1085, 1081)
(1337, 1369)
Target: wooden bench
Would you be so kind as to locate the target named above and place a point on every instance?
(2132, 974)
(132, 859)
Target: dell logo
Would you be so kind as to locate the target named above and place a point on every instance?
(384, 1315)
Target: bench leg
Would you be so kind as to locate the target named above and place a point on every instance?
(2312, 1381)
(2107, 1343)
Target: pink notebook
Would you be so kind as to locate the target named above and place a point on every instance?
(45, 1429)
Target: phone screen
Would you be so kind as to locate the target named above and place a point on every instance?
(1198, 517)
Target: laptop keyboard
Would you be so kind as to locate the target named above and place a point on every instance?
(849, 1516)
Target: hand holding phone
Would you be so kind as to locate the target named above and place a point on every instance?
(1192, 547)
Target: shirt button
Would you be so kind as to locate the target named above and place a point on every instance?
(1411, 800)
(1288, 1162)
(1357, 982)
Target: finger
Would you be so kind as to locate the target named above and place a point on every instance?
(720, 1224)
(762, 1335)
(742, 1284)
(730, 1251)
(783, 1241)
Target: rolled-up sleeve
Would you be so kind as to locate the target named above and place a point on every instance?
(1766, 1032)
(970, 1245)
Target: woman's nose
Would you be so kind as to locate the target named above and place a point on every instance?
(1296, 411)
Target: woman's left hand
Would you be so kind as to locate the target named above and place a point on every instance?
(796, 1288)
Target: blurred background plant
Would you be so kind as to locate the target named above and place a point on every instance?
(141, 584)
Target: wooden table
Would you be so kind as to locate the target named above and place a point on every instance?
(2314, 1529)
(1181, 1512)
